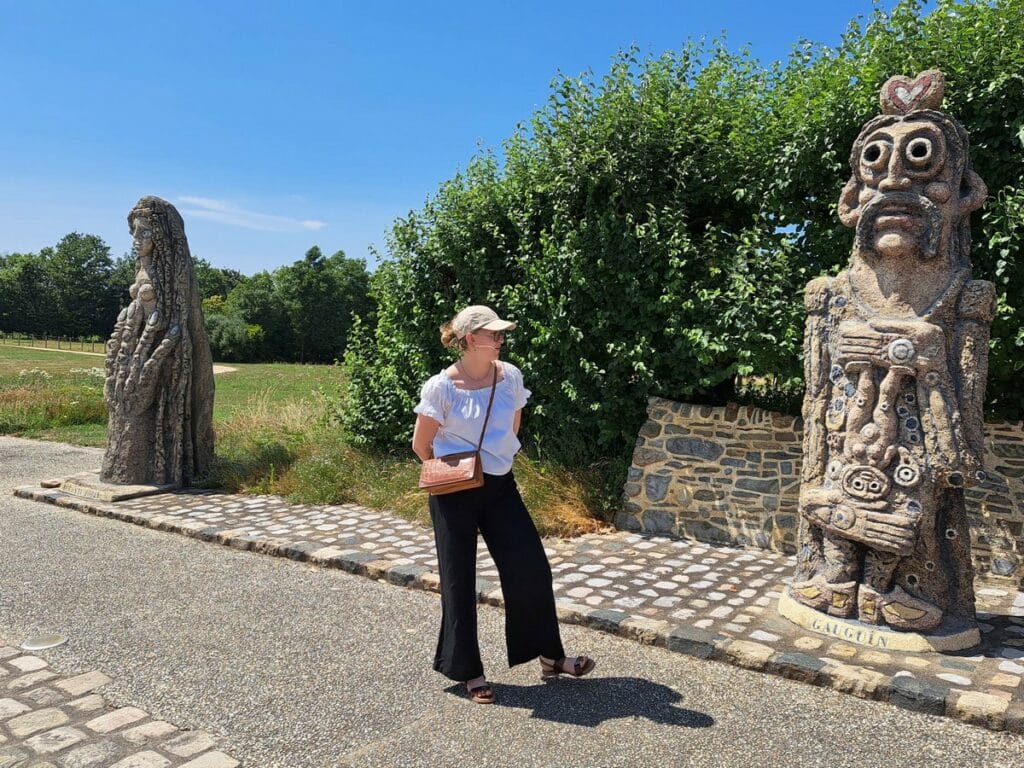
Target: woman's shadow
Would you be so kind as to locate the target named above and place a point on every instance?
(592, 701)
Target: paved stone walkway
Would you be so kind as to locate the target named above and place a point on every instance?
(708, 601)
(49, 721)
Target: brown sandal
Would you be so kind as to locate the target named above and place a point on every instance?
(481, 694)
(581, 665)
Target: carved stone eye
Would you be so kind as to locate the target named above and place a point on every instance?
(919, 152)
(876, 155)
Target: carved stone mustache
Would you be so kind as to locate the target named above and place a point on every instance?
(901, 203)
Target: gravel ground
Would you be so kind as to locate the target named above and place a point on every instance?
(296, 666)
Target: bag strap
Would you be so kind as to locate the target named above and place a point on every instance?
(490, 400)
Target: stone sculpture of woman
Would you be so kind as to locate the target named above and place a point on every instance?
(896, 356)
(159, 372)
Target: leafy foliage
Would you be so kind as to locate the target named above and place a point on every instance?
(652, 230)
(66, 290)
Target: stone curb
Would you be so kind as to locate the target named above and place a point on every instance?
(972, 707)
(66, 718)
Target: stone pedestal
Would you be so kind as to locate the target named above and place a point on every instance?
(955, 637)
(88, 485)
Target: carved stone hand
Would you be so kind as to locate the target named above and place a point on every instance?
(875, 524)
(916, 344)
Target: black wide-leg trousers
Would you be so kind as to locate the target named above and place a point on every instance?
(497, 511)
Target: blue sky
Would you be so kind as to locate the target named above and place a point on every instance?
(276, 126)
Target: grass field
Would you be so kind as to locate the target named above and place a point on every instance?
(38, 387)
(272, 437)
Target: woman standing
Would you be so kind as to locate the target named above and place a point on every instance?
(450, 416)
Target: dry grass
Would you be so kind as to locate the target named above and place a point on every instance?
(264, 412)
(561, 501)
(288, 450)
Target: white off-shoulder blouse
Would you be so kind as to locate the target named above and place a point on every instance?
(460, 412)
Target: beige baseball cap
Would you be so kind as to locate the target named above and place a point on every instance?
(479, 318)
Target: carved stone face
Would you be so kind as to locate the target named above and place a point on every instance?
(907, 209)
(142, 238)
(906, 197)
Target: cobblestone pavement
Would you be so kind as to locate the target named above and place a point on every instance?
(50, 721)
(708, 601)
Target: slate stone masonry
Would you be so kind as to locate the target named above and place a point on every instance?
(732, 476)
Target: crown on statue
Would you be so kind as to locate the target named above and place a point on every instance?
(901, 95)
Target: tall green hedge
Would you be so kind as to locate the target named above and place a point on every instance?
(652, 230)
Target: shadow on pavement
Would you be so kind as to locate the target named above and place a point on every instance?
(591, 702)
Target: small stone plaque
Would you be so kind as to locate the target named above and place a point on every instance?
(89, 486)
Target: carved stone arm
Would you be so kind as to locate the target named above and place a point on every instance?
(816, 371)
(970, 348)
(873, 523)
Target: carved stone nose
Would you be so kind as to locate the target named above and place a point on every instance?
(894, 182)
(896, 178)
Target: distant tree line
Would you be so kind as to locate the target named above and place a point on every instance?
(297, 313)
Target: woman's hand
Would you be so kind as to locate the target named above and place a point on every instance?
(423, 436)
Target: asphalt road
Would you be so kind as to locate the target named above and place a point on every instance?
(294, 666)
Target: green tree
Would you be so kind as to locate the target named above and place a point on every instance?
(79, 269)
(215, 281)
(26, 295)
(322, 294)
(257, 302)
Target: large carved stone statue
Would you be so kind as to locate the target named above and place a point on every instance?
(896, 358)
(159, 384)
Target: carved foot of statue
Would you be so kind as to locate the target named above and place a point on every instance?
(834, 599)
(897, 609)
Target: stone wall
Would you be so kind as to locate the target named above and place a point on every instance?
(732, 476)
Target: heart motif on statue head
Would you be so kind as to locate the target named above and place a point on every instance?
(901, 95)
(905, 97)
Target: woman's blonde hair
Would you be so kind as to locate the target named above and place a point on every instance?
(449, 339)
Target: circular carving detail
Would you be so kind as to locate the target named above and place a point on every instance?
(843, 518)
(864, 482)
(835, 469)
(906, 475)
(902, 351)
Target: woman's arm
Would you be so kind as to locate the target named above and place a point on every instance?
(516, 419)
(423, 436)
